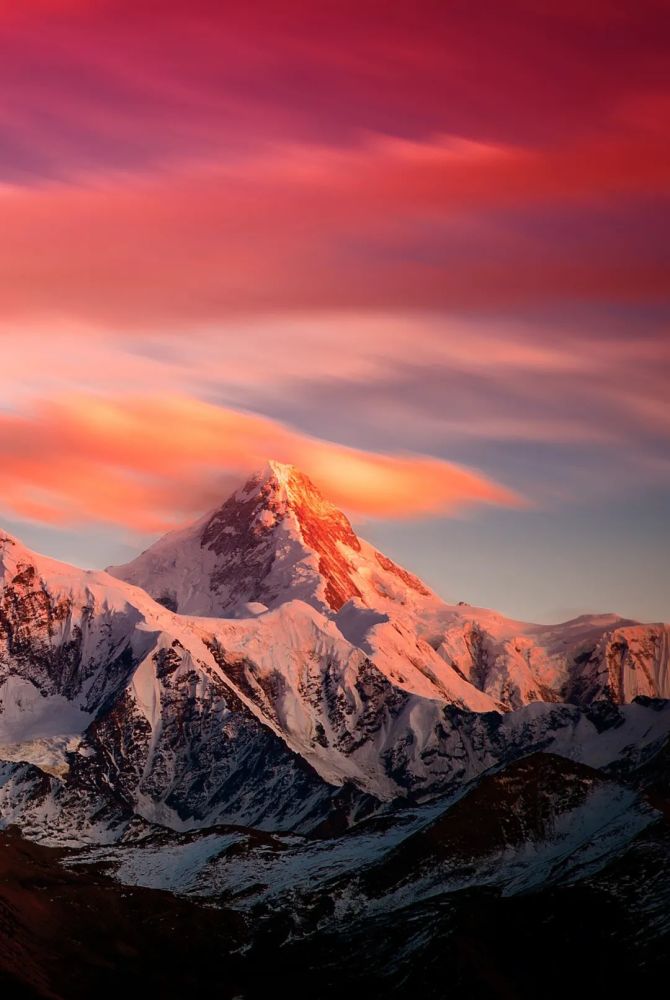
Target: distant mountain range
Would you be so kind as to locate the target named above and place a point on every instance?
(263, 712)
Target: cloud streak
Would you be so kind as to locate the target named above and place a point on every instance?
(124, 84)
(342, 234)
(391, 226)
(150, 463)
(507, 398)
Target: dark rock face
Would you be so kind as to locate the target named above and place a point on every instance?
(59, 646)
(625, 659)
(243, 533)
(519, 804)
(205, 758)
(322, 527)
(346, 933)
(245, 545)
(411, 581)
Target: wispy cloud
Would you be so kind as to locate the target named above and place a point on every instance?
(148, 463)
(331, 233)
(393, 225)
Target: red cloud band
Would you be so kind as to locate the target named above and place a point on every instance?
(390, 226)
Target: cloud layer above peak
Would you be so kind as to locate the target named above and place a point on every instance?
(390, 242)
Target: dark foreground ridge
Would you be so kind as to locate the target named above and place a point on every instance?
(70, 935)
(64, 934)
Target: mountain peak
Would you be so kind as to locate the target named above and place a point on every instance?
(275, 539)
(278, 481)
(14, 553)
(282, 472)
(282, 526)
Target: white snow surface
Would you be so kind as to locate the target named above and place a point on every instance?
(28, 715)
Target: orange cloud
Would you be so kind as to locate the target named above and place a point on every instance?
(150, 463)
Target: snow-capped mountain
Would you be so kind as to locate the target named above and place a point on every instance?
(111, 705)
(266, 667)
(265, 711)
(277, 540)
(274, 540)
(114, 707)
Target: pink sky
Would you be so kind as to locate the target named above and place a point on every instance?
(418, 249)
